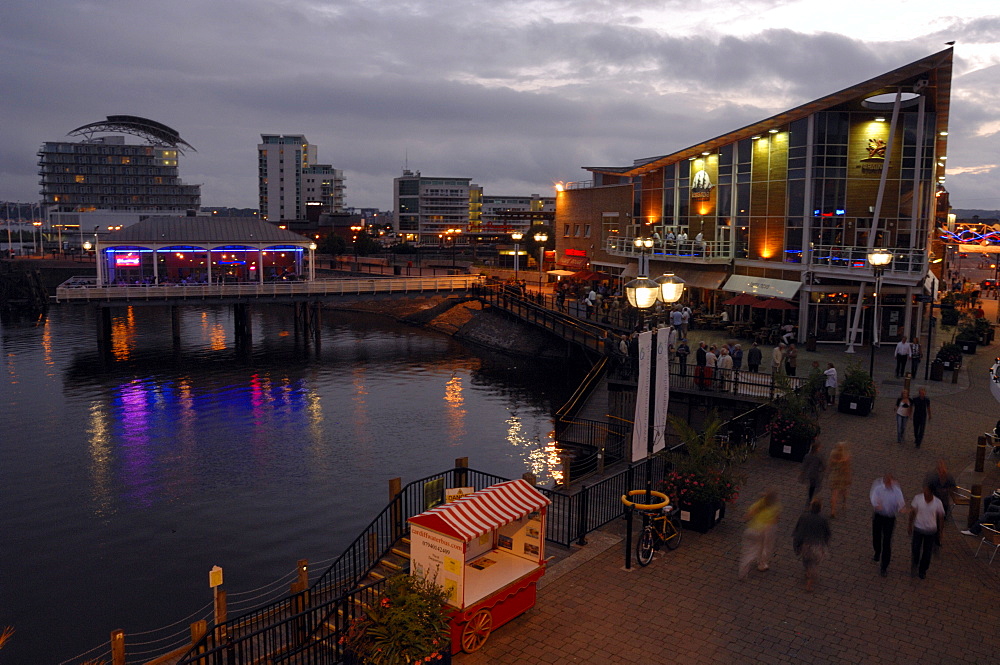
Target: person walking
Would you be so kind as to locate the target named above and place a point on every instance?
(737, 355)
(831, 383)
(839, 464)
(812, 470)
(926, 520)
(758, 538)
(902, 355)
(777, 357)
(942, 484)
(791, 359)
(887, 500)
(682, 352)
(700, 361)
(915, 355)
(904, 409)
(921, 414)
(754, 356)
(811, 539)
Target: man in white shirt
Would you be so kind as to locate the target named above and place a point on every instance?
(831, 382)
(902, 356)
(926, 519)
(887, 500)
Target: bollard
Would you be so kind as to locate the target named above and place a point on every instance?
(117, 647)
(906, 381)
(303, 572)
(628, 538)
(954, 375)
(981, 454)
(461, 474)
(529, 478)
(975, 502)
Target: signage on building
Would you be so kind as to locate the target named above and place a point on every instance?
(574, 252)
(701, 185)
(130, 260)
(872, 164)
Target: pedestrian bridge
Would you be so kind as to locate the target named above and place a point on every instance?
(79, 290)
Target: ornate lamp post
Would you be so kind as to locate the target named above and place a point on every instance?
(643, 293)
(541, 238)
(516, 237)
(878, 259)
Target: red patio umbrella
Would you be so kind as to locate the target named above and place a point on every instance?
(743, 299)
(773, 303)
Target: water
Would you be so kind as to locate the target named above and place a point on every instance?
(124, 483)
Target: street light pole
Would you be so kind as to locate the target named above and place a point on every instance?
(541, 238)
(878, 260)
(516, 237)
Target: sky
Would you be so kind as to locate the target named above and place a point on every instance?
(515, 94)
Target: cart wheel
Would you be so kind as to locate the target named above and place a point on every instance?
(476, 631)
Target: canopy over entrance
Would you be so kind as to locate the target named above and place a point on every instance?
(483, 511)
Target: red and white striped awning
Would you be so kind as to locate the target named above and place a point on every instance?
(477, 513)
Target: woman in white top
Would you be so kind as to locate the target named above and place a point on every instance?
(831, 382)
(904, 409)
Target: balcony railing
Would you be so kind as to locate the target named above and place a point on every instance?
(855, 259)
(706, 250)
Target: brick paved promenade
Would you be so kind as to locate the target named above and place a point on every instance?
(688, 606)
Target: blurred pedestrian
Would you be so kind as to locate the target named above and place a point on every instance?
(904, 409)
(915, 355)
(791, 359)
(926, 520)
(777, 358)
(812, 470)
(942, 484)
(754, 357)
(921, 414)
(683, 351)
(839, 464)
(887, 500)
(811, 539)
(725, 369)
(758, 538)
(737, 355)
(831, 383)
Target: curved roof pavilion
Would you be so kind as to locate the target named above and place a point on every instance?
(161, 249)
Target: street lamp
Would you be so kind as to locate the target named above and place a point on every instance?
(516, 237)
(38, 227)
(541, 238)
(878, 259)
(643, 293)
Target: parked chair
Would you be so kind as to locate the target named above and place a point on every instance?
(991, 537)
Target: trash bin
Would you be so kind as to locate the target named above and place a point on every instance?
(397, 270)
(937, 370)
(811, 343)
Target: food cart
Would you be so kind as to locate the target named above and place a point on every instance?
(487, 550)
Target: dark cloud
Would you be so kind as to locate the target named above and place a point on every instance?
(515, 95)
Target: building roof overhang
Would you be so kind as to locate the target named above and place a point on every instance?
(202, 231)
(932, 75)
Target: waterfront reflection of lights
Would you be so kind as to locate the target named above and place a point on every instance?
(47, 346)
(102, 487)
(455, 414)
(123, 335)
(543, 460)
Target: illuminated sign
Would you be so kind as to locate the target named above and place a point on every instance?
(574, 252)
(701, 185)
(129, 260)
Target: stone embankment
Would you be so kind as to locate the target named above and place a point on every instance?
(468, 320)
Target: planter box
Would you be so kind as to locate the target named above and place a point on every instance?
(967, 346)
(790, 449)
(702, 516)
(855, 404)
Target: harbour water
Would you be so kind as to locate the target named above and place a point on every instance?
(123, 483)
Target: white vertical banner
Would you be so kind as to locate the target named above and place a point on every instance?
(640, 426)
(662, 388)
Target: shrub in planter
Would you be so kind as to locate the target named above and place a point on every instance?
(700, 482)
(950, 355)
(857, 392)
(792, 427)
(408, 624)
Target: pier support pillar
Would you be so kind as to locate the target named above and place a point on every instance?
(104, 331)
(242, 326)
(175, 324)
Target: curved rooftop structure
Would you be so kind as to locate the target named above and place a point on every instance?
(154, 132)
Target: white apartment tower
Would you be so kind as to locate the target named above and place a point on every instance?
(289, 178)
(429, 206)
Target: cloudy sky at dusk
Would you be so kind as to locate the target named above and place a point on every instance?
(514, 94)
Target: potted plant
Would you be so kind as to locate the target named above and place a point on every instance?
(408, 624)
(700, 483)
(792, 427)
(950, 356)
(857, 392)
(967, 338)
(984, 331)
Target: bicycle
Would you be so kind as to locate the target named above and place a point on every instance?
(662, 526)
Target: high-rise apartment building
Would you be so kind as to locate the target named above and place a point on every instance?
(512, 213)
(104, 173)
(289, 179)
(429, 206)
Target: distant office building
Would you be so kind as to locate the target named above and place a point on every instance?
(427, 207)
(510, 213)
(106, 173)
(292, 186)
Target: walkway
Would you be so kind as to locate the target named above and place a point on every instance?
(689, 607)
